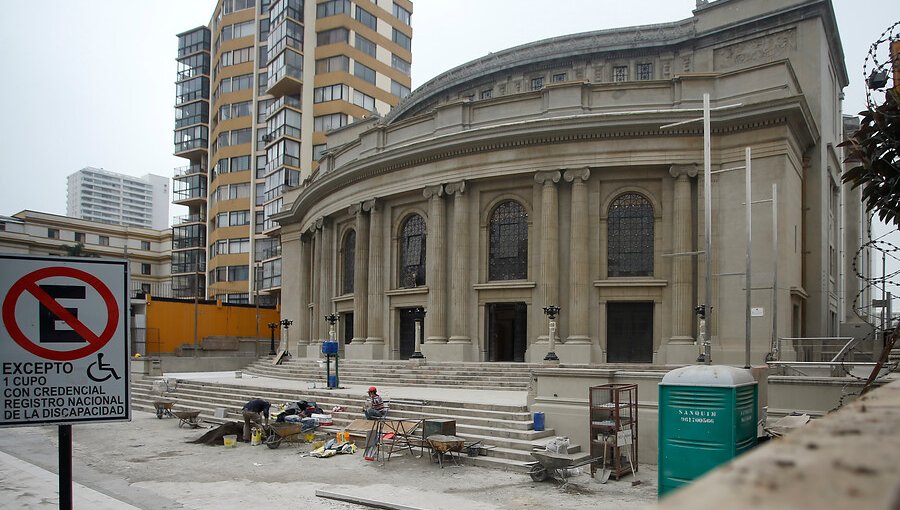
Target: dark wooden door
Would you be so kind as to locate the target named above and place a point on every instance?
(629, 332)
(506, 331)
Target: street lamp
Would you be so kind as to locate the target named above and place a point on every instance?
(286, 323)
(418, 315)
(272, 327)
(552, 311)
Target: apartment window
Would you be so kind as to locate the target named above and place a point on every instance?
(262, 58)
(263, 85)
(331, 93)
(332, 8)
(240, 164)
(364, 100)
(364, 72)
(262, 106)
(366, 18)
(329, 122)
(259, 222)
(620, 73)
(402, 39)
(238, 273)
(537, 83)
(398, 89)
(559, 77)
(239, 191)
(263, 29)
(333, 64)
(261, 166)
(333, 36)
(52, 233)
(400, 64)
(318, 150)
(240, 136)
(145, 269)
(402, 14)
(238, 218)
(645, 71)
(80, 237)
(239, 245)
(103, 241)
(364, 45)
(145, 245)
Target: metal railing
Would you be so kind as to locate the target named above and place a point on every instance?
(830, 349)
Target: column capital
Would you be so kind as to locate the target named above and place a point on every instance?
(677, 171)
(355, 209)
(320, 223)
(547, 178)
(583, 174)
(433, 191)
(455, 188)
(369, 205)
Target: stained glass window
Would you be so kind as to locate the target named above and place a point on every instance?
(348, 252)
(508, 258)
(630, 236)
(412, 252)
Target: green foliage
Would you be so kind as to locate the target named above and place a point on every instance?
(77, 251)
(875, 147)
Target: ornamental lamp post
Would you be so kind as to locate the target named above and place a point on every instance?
(286, 323)
(418, 315)
(552, 311)
(272, 327)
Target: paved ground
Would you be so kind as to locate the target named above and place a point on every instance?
(147, 464)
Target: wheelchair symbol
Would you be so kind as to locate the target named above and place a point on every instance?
(101, 367)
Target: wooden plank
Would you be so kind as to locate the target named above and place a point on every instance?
(371, 503)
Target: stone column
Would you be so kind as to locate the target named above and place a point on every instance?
(317, 278)
(326, 305)
(548, 274)
(682, 284)
(375, 329)
(360, 274)
(304, 273)
(579, 265)
(459, 276)
(435, 274)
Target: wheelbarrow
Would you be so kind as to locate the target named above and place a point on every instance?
(189, 418)
(556, 465)
(163, 408)
(445, 445)
(291, 432)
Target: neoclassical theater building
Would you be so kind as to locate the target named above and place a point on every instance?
(550, 174)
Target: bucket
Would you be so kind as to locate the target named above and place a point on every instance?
(332, 381)
(256, 437)
(342, 437)
(538, 421)
(230, 440)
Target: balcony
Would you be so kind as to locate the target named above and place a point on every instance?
(190, 196)
(189, 218)
(183, 171)
(191, 149)
(286, 74)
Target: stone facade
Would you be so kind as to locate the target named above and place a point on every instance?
(545, 175)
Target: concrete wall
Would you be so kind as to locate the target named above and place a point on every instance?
(562, 394)
(174, 322)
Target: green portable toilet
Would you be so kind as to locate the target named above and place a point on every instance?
(707, 416)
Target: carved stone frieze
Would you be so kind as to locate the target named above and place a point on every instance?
(754, 51)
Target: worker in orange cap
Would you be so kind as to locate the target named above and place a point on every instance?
(374, 407)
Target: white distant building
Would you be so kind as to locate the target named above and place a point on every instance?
(108, 197)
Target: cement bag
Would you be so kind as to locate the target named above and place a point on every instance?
(559, 444)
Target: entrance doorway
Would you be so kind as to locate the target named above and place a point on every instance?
(407, 332)
(629, 332)
(348, 326)
(507, 324)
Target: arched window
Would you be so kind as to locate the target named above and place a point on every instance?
(348, 264)
(412, 252)
(630, 236)
(508, 259)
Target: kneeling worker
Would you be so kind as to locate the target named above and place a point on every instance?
(253, 411)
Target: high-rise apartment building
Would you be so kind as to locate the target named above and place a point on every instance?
(257, 91)
(98, 195)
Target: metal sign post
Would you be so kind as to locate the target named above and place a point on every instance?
(63, 346)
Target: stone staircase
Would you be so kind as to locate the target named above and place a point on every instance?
(475, 376)
(508, 428)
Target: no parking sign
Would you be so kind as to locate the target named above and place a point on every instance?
(63, 340)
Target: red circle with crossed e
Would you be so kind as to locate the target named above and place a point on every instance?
(28, 283)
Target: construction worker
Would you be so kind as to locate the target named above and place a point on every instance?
(374, 407)
(254, 411)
